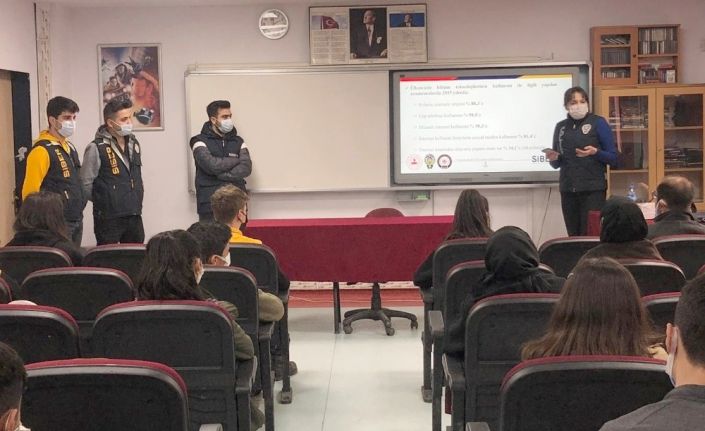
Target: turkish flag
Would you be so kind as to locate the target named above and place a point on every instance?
(328, 23)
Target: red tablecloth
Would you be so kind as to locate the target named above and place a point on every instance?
(351, 249)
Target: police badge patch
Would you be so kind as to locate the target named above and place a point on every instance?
(586, 128)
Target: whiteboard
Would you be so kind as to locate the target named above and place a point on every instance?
(305, 129)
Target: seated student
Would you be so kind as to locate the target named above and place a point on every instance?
(674, 197)
(471, 220)
(683, 409)
(41, 222)
(512, 264)
(623, 234)
(599, 313)
(171, 271)
(229, 206)
(214, 241)
(12, 381)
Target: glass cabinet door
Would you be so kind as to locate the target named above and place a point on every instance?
(617, 59)
(682, 136)
(630, 116)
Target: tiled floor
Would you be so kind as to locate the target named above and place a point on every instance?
(362, 381)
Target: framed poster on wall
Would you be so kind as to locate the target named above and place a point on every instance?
(133, 72)
(368, 34)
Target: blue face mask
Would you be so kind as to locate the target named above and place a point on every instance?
(67, 128)
(672, 356)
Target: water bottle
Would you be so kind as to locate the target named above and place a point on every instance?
(631, 194)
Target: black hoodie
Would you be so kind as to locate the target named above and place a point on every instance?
(47, 238)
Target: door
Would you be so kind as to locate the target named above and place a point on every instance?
(7, 159)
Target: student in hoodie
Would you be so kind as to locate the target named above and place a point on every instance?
(582, 148)
(623, 233)
(512, 266)
(53, 164)
(112, 177)
(41, 222)
(221, 157)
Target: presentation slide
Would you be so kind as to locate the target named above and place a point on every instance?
(478, 124)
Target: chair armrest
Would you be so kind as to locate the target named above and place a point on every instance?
(477, 426)
(427, 295)
(435, 322)
(455, 374)
(210, 427)
(266, 329)
(246, 371)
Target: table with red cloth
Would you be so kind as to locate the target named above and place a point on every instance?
(593, 224)
(373, 249)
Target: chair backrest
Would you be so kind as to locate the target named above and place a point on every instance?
(39, 333)
(686, 251)
(661, 308)
(20, 261)
(562, 254)
(449, 254)
(127, 258)
(495, 330)
(5, 292)
(193, 337)
(238, 287)
(82, 292)
(462, 279)
(385, 212)
(104, 394)
(260, 261)
(579, 393)
(655, 276)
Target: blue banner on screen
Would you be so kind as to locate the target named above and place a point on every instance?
(477, 125)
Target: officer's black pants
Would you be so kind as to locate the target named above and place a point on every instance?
(127, 229)
(576, 206)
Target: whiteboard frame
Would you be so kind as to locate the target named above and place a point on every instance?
(307, 69)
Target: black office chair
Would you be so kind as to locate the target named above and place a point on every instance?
(238, 287)
(376, 311)
(193, 337)
(127, 258)
(461, 280)
(495, 330)
(39, 333)
(562, 254)
(446, 256)
(82, 292)
(662, 309)
(578, 393)
(261, 262)
(104, 394)
(20, 261)
(655, 276)
(686, 251)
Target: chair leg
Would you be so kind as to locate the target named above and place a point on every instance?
(437, 389)
(427, 343)
(267, 384)
(377, 312)
(286, 395)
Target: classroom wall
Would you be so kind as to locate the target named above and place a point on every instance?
(458, 29)
(18, 44)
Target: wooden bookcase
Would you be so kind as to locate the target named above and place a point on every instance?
(658, 131)
(630, 55)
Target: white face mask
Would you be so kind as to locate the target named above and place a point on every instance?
(125, 129)
(672, 356)
(225, 260)
(226, 125)
(67, 128)
(578, 111)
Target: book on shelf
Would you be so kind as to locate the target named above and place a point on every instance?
(658, 40)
